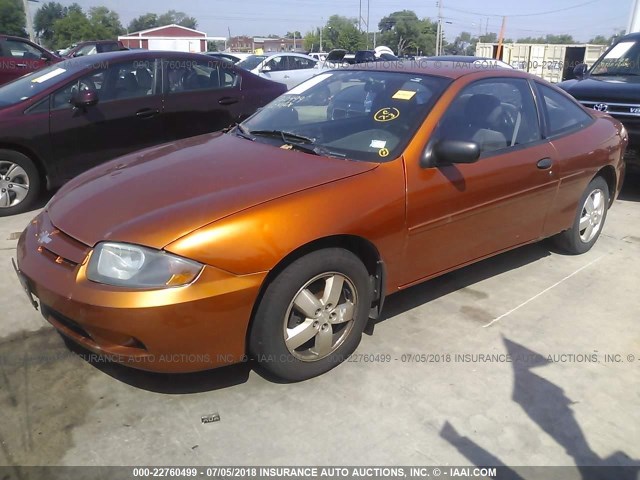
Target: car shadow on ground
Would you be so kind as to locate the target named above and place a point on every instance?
(631, 187)
(547, 405)
(426, 292)
(168, 383)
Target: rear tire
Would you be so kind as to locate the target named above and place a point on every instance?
(19, 183)
(312, 315)
(589, 220)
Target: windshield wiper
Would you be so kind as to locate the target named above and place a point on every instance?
(242, 131)
(298, 142)
(286, 137)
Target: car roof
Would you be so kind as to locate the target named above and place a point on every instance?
(440, 68)
(630, 36)
(101, 58)
(14, 37)
(291, 54)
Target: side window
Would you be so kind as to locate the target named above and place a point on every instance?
(187, 75)
(17, 49)
(299, 63)
(278, 64)
(497, 113)
(118, 82)
(562, 113)
(86, 50)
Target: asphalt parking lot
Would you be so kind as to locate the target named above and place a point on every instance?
(529, 358)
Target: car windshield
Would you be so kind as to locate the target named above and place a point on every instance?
(32, 84)
(620, 60)
(251, 62)
(368, 115)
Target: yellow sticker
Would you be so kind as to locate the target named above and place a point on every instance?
(286, 146)
(384, 152)
(386, 114)
(404, 95)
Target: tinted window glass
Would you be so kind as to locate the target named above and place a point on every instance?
(495, 113)
(118, 82)
(17, 49)
(187, 75)
(251, 62)
(563, 113)
(32, 84)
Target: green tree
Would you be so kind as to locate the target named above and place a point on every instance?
(464, 44)
(12, 19)
(45, 18)
(143, 22)
(404, 32)
(73, 28)
(340, 32)
(179, 18)
(105, 23)
(294, 34)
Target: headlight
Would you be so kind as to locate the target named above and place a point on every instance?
(126, 265)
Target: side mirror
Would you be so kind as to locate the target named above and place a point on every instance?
(448, 152)
(45, 58)
(265, 69)
(84, 98)
(580, 71)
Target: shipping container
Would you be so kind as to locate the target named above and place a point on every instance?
(552, 62)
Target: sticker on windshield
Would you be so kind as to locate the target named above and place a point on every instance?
(303, 87)
(404, 95)
(386, 114)
(378, 144)
(384, 152)
(49, 76)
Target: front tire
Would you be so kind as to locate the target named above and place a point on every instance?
(312, 315)
(589, 220)
(19, 183)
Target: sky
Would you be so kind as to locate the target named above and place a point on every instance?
(265, 17)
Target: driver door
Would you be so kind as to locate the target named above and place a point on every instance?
(128, 116)
(460, 213)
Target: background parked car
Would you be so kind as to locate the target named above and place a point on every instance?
(288, 68)
(19, 56)
(58, 122)
(93, 47)
(612, 86)
(232, 57)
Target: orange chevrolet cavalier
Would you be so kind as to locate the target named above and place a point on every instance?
(278, 239)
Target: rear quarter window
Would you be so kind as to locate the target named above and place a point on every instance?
(563, 114)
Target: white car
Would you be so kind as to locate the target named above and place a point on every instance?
(283, 67)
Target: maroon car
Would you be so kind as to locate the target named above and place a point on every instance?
(19, 56)
(74, 115)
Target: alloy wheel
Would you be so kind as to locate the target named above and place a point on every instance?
(320, 316)
(14, 184)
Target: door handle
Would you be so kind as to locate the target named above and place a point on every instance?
(228, 100)
(21, 65)
(545, 164)
(147, 113)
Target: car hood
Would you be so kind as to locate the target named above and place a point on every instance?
(604, 89)
(158, 195)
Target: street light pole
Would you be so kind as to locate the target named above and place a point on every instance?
(27, 14)
(634, 18)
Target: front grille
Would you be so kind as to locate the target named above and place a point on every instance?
(614, 109)
(59, 247)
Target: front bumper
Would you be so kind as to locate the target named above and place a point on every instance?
(184, 329)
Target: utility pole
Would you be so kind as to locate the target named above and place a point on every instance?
(360, 17)
(501, 39)
(27, 14)
(634, 18)
(439, 29)
(368, 16)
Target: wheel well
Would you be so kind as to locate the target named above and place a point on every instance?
(359, 246)
(608, 173)
(42, 172)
